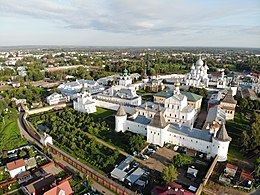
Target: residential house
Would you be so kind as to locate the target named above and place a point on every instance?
(171, 188)
(30, 163)
(62, 189)
(39, 186)
(15, 167)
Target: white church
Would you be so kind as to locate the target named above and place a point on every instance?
(84, 102)
(123, 93)
(198, 77)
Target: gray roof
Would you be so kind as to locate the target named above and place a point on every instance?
(215, 114)
(142, 119)
(121, 111)
(229, 98)
(193, 133)
(123, 165)
(118, 174)
(135, 175)
(158, 119)
(222, 134)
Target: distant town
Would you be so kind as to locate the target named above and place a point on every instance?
(110, 120)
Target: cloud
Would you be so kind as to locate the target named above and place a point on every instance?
(164, 21)
(132, 16)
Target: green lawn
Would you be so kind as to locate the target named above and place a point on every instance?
(10, 137)
(235, 129)
(102, 113)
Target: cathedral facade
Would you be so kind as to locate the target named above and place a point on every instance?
(198, 76)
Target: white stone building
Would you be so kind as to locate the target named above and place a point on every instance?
(160, 132)
(15, 167)
(72, 88)
(222, 81)
(175, 109)
(125, 79)
(57, 98)
(45, 138)
(198, 77)
(84, 103)
(121, 95)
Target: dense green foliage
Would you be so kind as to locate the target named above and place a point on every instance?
(248, 105)
(10, 137)
(30, 93)
(71, 130)
(136, 142)
(250, 138)
(101, 125)
(181, 160)
(65, 128)
(257, 168)
(200, 91)
(169, 173)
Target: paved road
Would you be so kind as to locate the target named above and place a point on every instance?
(24, 133)
(257, 192)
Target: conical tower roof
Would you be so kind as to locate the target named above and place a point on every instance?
(121, 111)
(229, 98)
(222, 134)
(158, 119)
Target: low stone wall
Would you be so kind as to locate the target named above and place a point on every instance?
(47, 108)
(112, 106)
(207, 176)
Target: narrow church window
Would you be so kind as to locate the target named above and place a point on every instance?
(158, 133)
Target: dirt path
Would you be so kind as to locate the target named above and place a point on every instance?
(216, 189)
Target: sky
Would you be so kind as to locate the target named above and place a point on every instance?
(211, 23)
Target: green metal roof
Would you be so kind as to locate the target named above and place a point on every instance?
(165, 94)
(191, 96)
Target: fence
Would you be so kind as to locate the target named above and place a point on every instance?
(110, 184)
(207, 176)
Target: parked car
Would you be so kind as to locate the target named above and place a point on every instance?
(153, 146)
(144, 157)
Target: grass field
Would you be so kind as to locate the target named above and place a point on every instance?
(102, 113)
(10, 137)
(235, 129)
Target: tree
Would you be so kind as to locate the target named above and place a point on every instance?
(169, 173)
(22, 153)
(136, 142)
(250, 139)
(257, 168)
(180, 160)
